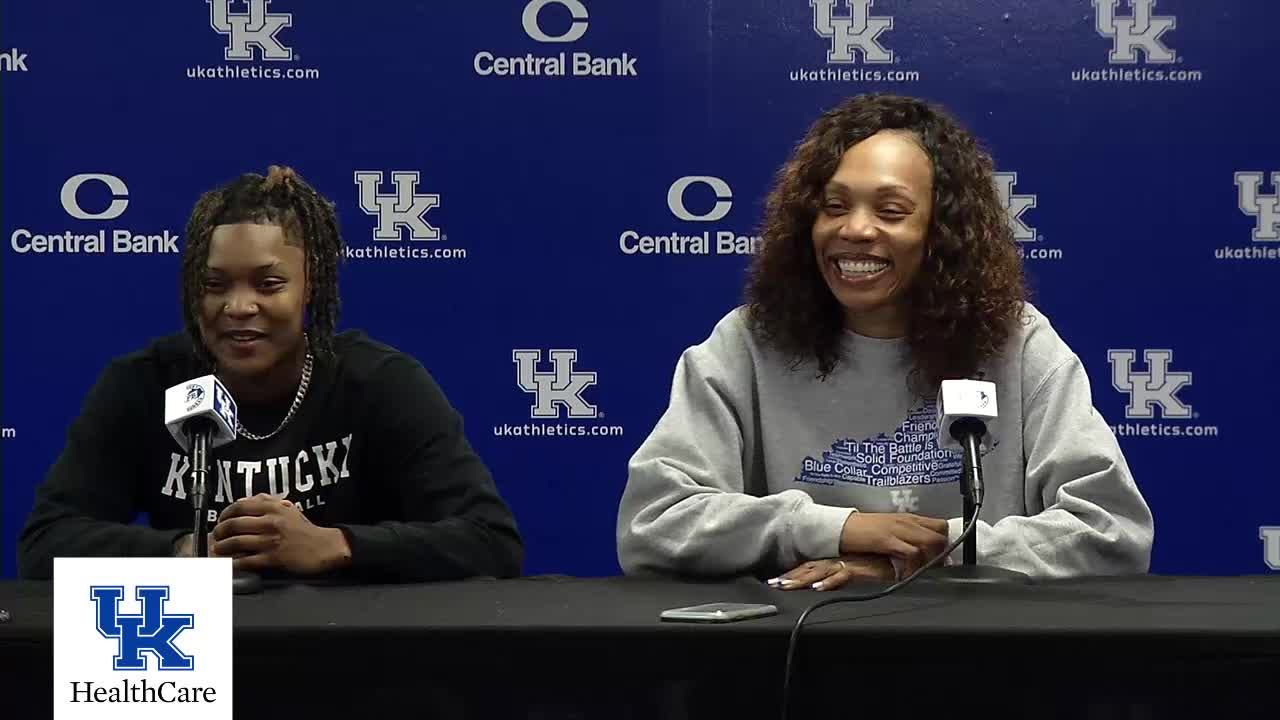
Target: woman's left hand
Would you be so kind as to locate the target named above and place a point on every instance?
(831, 573)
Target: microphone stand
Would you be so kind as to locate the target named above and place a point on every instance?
(242, 581)
(972, 490)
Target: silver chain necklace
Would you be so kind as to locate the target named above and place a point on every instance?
(297, 402)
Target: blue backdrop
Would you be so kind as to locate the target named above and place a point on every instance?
(521, 158)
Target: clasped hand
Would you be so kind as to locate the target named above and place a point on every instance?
(263, 532)
(879, 546)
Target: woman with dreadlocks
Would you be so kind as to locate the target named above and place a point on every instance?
(800, 439)
(349, 460)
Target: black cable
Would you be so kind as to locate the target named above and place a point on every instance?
(795, 632)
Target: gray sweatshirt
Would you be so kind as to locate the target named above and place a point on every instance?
(754, 467)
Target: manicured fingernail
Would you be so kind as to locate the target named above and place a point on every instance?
(774, 581)
(817, 585)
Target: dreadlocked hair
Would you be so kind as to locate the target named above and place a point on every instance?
(280, 198)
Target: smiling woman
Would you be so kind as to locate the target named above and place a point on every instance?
(349, 460)
(800, 442)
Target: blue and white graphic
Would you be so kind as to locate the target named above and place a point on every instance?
(557, 391)
(256, 28)
(1264, 209)
(1157, 387)
(150, 633)
(1270, 546)
(1140, 31)
(856, 33)
(908, 456)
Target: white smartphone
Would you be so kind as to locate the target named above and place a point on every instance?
(718, 612)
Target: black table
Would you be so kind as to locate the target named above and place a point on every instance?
(1146, 647)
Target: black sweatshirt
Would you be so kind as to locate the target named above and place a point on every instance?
(375, 449)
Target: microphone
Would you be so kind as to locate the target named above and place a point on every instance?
(200, 415)
(966, 408)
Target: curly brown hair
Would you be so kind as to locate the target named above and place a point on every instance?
(281, 197)
(970, 290)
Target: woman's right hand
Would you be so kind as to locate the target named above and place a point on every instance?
(913, 539)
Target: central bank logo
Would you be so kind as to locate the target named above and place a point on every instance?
(856, 33)
(577, 28)
(255, 28)
(93, 197)
(534, 20)
(723, 198)
(1140, 31)
(1157, 387)
(149, 634)
(404, 209)
(555, 391)
(1264, 209)
(1015, 206)
(696, 199)
(12, 60)
(70, 196)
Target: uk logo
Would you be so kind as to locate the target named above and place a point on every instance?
(256, 28)
(1158, 386)
(1141, 30)
(533, 28)
(402, 210)
(224, 405)
(858, 30)
(1270, 546)
(1015, 206)
(559, 390)
(904, 500)
(1264, 209)
(149, 633)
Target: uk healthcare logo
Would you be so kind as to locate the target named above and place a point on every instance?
(695, 201)
(142, 637)
(1264, 210)
(852, 36)
(1137, 40)
(252, 35)
(562, 64)
(152, 631)
(93, 197)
